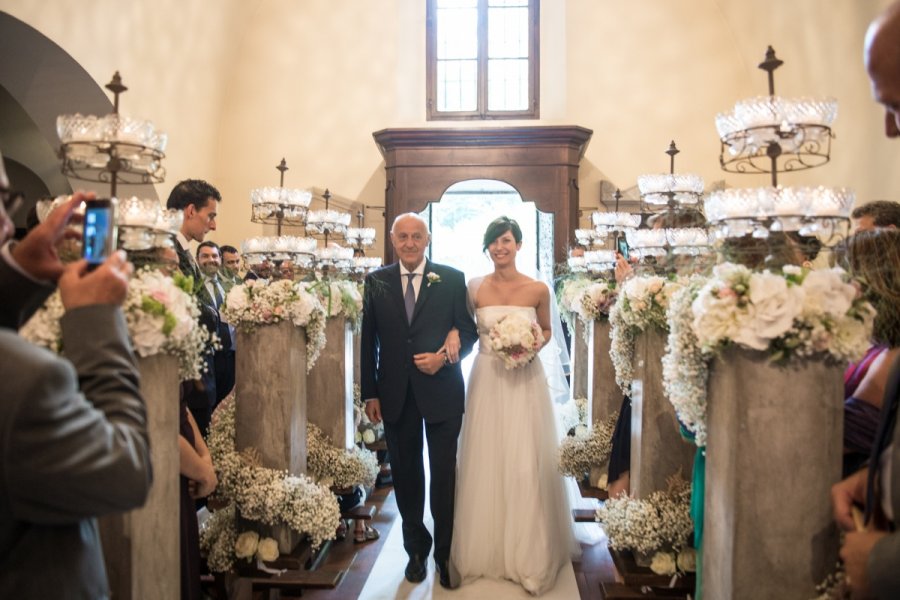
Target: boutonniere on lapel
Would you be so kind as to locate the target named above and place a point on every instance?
(432, 277)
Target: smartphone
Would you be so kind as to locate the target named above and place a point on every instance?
(100, 233)
(622, 246)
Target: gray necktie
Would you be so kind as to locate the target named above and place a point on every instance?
(409, 298)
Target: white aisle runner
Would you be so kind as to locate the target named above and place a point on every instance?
(387, 582)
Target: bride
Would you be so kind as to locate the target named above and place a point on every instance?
(512, 516)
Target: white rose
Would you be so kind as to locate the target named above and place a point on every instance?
(730, 272)
(146, 334)
(246, 544)
(790, 270)
(602, 481)
(236, 300)
(267, 550)
(581, 431)
(663, 563)
(717, 316)
(687, 560)
(358, 438)
(774, 306)
(826, 292)
(369, 436)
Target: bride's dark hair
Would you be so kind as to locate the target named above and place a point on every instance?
(498, 227)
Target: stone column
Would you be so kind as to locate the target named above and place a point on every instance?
(773, 451)
(270, 410)
(604, 396)
(657, 449)
(330, 385)
(141, 547)
(580, 362)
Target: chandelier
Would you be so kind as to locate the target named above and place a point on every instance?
(670, 190)
(771, 134)
(117, 149)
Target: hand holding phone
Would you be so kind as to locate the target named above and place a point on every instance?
(622, 246)
(100, 231)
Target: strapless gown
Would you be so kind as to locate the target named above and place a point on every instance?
(512, 517)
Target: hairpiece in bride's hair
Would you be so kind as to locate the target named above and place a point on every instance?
(498, 227)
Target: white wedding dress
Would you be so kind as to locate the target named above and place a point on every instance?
(512, 516)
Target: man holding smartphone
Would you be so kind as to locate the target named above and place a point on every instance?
(73, 429)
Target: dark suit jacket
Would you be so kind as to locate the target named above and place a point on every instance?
(74, 446)
(389, 342)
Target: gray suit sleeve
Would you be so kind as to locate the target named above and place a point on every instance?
(882, 571)
(78, 443)
(21, 296)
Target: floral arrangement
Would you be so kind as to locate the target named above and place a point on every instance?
(798, 313)
(516, 339)
(597, 300)
(642, 304)
(161, 314)
(336, 467)
(572, 416)
(660, 521)
(587, 449)
(367, 432)
(340, 298)
(257, 493)
(260, 302)
(570, 291)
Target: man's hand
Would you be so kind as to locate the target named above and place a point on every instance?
(855, 554)
(108, 284)
(451, 346)
(429, 362)
(844, 495)
(373, 410)
(37, 253)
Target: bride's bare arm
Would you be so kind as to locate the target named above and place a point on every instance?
(543, 311)
(451, 345)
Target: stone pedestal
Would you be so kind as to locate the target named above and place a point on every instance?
(141, 547)
(657, 449)
(270, 409)
(581, 362)
(604, 396)
(330, 385)
(773, 451)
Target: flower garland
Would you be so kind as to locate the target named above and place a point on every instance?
(588, 299)
(585, 450)
(662, 520)
(340, 297)
(642, 304)
(794, 314)
(335, 467)
(260, 494)
(259, 302)
(569, 293)
(161, 315)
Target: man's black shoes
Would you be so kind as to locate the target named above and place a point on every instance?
(416, 569)
(442, 569)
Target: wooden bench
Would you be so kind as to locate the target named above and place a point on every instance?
(588, 491)
(622, 591)
(636, 575)
(360, 513)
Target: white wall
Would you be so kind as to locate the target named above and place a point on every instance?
(239, 84)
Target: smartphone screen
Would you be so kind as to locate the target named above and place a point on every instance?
(622, 246)
(99, 236)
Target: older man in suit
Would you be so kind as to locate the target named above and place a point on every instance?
(871, 556)
(411, 376)
(73, 430)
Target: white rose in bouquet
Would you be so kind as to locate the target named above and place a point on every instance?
(827, 292)
(687, 560)
(267, 550)
(246, 544)
(516, 339)
(774, 304)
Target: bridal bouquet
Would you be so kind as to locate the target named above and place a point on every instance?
(516, 339)
(161, 315)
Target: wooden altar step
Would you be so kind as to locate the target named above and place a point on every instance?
(635, 575)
